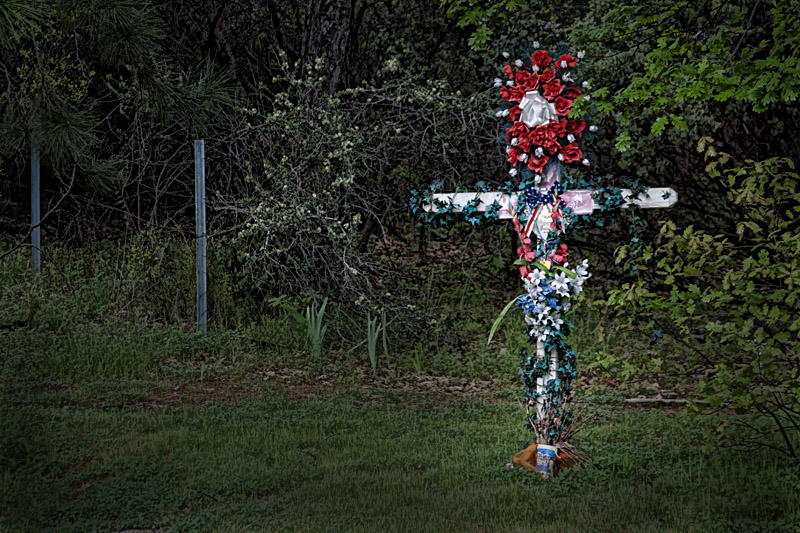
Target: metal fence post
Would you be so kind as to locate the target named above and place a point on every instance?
(36, 233)
(200, 217)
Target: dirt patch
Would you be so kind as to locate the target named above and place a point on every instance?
(302, 384)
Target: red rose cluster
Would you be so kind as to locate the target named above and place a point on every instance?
(554, 138)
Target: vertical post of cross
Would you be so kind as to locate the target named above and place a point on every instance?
(200, 218)
(36, 232)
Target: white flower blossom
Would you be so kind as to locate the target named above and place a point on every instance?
(563, 64)
(560, 284)
(535, 68)
(513, 172)
(518, 63)
(585, 85)
(570, 138)
(536, 276)
(582, 270)
(514, 141)
(592, 128)
(506, 55)
(536, 44)
(523, 157)
(539, 152)
(510, 83)
(581, 54)
(585, 162)
(560, 157)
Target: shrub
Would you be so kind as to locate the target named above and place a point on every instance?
(734, 297)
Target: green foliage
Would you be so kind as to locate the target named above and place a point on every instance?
(734, 297)
(373, 330)
(471, 14)
(746, 52)
(315, 329)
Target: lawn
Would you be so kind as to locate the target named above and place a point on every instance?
(361, 459)
(111, 420)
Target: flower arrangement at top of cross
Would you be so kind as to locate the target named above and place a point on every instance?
(537, 100)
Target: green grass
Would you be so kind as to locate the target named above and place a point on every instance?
(105, 425)
(344, 464)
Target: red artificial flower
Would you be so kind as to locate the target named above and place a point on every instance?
(563, 106)
(541, 59)
(561, 254)
(536, 164)
(571, 61)
(516, 93)
(541, 134)
(556, 129)
(524, 141)
(514, 113)
(526, 253)
(504, 94)
(523, 271)
(546, 76)
(509, 71)
(527, 81)
(513, 155)
(552, 89)
(551, 146)
(519, 128)
(575, 127)
(572, 91)
(572, 154)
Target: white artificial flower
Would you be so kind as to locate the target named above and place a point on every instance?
(570, 138)
(499, 114)
(518, 63)
(510, 83)
(514, 141)
(536, 44)
(523, 157)
(592, 128)
(536, 68)
(563, 64)
(560, 157)
(587, 97)
(566, 306)
(567, 77)
(581, 54)
(513, 172)
(506, 112)
(585, 85)
(498, 82)
(536, 276)
(560, 284)
(506, 55)
(557, 322)
(508, 149)
(539, 152)
(582, 270)
(537, 179)
(585, 162)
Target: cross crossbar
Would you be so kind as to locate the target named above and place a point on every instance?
(581, 201)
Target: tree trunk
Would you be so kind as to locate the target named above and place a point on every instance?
(330, 33)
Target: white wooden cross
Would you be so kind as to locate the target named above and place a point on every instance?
(581, 202)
